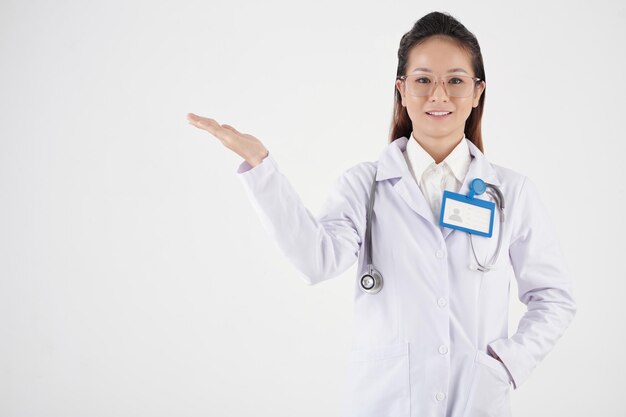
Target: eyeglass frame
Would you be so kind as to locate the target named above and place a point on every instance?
(404, 77)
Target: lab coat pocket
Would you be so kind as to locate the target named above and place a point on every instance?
(490, 389)
(377, 382)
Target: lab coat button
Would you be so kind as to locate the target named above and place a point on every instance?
(439, 253)
(440, 396)
(443, 349)
(442, 302)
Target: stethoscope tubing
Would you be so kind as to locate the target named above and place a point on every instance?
(372, 281)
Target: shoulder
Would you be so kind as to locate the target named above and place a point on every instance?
(511, 181)
(508, 175)
(521, 193)
(359, 176)
(521, 185)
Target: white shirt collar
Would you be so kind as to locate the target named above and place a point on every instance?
(419, 160)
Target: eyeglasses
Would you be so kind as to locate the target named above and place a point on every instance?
(420, 85)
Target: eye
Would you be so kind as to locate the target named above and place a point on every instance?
(460, 81)
(418, 80)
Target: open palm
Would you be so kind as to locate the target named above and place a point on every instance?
(243, 144)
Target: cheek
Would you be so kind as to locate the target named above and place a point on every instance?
(415, 107)
(463, 108)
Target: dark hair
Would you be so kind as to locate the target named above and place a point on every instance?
(442, 24)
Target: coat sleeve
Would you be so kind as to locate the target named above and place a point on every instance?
(320, 247)
(544, 285)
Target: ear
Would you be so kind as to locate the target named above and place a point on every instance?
(478, 93)
(399, 87)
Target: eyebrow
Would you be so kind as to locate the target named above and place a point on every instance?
(429, 70)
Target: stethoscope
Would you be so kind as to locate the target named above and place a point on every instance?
(372, 280)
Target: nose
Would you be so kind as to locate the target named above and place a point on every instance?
(439, 91)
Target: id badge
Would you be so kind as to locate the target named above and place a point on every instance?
(471, 215)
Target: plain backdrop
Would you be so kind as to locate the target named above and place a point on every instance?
(136, 278)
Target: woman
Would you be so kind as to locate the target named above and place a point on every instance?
(433, 341)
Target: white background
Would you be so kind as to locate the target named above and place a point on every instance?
(135, 277)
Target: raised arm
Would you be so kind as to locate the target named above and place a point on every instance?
(320, 247)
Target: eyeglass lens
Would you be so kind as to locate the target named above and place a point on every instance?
(455, 85)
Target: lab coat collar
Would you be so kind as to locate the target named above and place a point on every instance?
(419, 160)
(392, 164)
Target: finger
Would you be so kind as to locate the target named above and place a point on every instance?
(197, 120)
(229, 127)
(208, 124)
(225, 134)
(191, 116)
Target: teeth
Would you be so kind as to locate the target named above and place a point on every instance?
(439, 113)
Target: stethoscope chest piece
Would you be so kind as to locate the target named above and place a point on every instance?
(371, 281)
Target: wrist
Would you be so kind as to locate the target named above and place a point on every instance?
(256, 161)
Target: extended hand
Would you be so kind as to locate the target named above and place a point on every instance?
(243, 144)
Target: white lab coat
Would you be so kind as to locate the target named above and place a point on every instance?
(420, 345)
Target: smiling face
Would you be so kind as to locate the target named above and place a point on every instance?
(436, 57)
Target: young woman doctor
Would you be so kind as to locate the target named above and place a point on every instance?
(432, 338)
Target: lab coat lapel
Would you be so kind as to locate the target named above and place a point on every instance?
(391, 165)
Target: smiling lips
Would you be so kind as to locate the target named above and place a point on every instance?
(438, 114)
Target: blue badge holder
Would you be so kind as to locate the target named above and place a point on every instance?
(477, 187)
